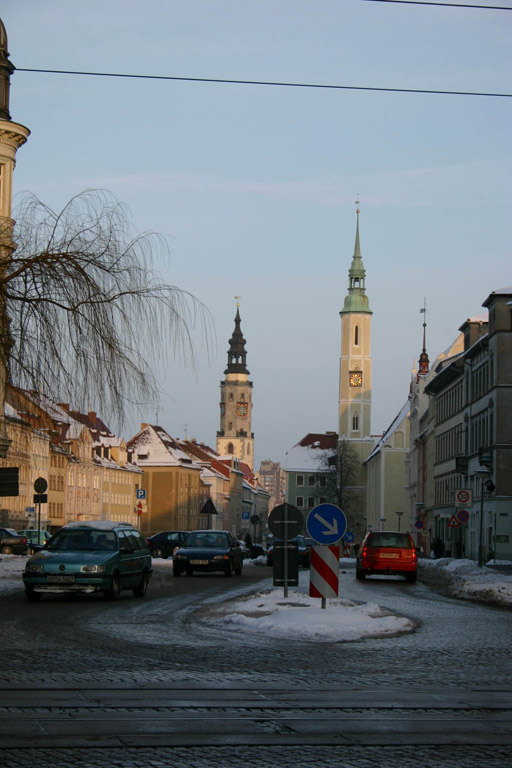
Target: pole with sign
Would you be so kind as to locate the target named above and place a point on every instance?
(326, 524)
(285, 521)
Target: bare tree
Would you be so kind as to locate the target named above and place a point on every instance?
(87, 311)
(343, 471)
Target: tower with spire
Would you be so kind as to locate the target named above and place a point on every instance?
(355, 390)
(235, 437)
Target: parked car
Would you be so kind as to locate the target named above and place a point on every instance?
(12, 543)
(387, 552)
(90, 557)
(165, 544)
(303, 550)
(33, 539)
(257, 550)
(246, 551)
(207, 551)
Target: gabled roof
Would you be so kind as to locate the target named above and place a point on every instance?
(154, 447)
(397, 421)
(312, 452)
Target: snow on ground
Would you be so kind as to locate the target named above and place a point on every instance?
(270, 613)
(467, 580)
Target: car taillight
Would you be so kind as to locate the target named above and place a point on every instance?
(365, 551)
(24, 540)
(147, 541)
(414, 553)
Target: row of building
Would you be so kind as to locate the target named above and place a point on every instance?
(443, 468)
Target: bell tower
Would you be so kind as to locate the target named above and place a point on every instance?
(234, 436)
(355, 390)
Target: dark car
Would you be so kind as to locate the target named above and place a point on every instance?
(304, 551)
(206, 551)
(165, 544)
(12, 543)
(90, 557)
(387, 552)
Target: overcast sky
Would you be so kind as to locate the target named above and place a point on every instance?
(255, 185)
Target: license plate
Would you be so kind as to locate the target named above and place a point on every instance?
(199, 562)
(389, 554)
(60, 578)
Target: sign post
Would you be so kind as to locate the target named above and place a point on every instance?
(326, 524)
(285, 521)
(40, 497)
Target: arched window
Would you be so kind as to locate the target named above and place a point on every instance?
(355, 421)
(356, 336)
(230, 448)
(231, 396)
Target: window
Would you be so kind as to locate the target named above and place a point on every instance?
(356, 336)
(300, 479)
(311, 502)
(355, 421)
(299, 501)
(311, 480)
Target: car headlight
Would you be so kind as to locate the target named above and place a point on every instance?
(180, 557)
(34, 568)
(92, 569)
(221, 557)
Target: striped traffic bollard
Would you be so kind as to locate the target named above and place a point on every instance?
(324, 570)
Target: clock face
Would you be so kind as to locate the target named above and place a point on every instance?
(355, 378)
(241, 409)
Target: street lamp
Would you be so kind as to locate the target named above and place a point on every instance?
(399, 515)
(483, 474)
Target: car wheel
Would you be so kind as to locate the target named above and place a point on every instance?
(238, 571)
(360, 574)
(229, 569)
(190, 572)
(6, 550)
(115, 588)
(141, 590)
(411, 577)
(157, 553)
(33, 597)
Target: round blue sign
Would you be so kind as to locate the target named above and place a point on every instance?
(349, 537)
(418, 524)
(326, 524)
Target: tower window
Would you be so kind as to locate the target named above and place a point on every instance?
(230, 448)
(356, 336)
(355, 421)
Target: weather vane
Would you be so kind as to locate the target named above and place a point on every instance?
(357, 202)
(238, 300)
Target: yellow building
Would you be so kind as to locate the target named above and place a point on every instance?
(170, 482)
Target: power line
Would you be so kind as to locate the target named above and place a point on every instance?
(264, 82)
(447, 5)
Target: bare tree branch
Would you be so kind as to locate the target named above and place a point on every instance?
(88, 311)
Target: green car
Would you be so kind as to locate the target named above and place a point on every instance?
(90, 557)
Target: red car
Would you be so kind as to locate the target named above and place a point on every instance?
(387, 552)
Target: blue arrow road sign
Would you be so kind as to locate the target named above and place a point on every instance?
(349, 537)
(326, 524)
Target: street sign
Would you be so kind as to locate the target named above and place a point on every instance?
(326, 524)
(30, 510)
(292, 564)
(9, 481)
(349, 537)
(246, 514)
(324, 572)
(139, 508)
(453, 522)
(40, 498)
(463, 497)
(293, 516)
(141, 493)
(463, 515)
(40, 485)
(255, 520)
(418, 524)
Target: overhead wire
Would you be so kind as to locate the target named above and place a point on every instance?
(230, 81)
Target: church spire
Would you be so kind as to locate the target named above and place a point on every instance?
(356, 300)
(424, 361)
(237, 354)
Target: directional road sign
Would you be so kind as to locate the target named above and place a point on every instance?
(349, 537)
(293, 517)
(326, 524)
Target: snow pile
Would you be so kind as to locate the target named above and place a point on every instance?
(11, 568)
(466, 580)
(301, 616)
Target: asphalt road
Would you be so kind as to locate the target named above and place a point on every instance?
(90, 680)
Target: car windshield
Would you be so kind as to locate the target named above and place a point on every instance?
(207, 540)
(390, 540)
(84, 540)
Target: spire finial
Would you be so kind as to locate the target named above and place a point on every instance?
(424, 361)
(238, 301)
(358, 203)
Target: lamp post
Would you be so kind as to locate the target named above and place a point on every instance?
(483, 474)
(399, 515)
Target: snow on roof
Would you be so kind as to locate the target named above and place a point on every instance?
(312, 453)
(155, 447)
(397, 421)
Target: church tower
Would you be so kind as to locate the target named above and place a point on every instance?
(355, 394)
(235, 436)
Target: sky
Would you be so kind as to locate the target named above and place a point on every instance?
(254, 186)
